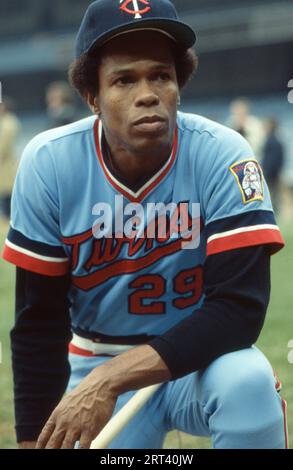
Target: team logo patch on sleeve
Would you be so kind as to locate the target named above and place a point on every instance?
(249, 178)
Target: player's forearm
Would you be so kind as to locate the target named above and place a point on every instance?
(40, 367)
(230, 318)
(134, 369)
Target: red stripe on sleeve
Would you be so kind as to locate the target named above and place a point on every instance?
(245, 239)
(35, 265)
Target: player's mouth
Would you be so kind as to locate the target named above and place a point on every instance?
(150, 124)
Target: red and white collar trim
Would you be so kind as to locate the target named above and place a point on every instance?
(149, 185)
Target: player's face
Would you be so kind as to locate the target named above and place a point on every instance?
(138, 92)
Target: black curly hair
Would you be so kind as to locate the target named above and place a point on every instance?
(83, 74)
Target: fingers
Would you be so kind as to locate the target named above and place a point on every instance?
(85, 441)
(70, 440)
(54, 436)
(59, 439)
(62, 440)
(45, 435)
(77, 417)
(56, 440)
(57, 435)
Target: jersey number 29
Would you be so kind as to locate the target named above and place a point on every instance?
(188, 284)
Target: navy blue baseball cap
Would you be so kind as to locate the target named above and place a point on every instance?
(105, 19)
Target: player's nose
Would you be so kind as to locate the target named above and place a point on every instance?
(146, 96)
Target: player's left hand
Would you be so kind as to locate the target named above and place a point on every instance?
(80, 416)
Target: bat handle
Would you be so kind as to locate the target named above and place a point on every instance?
(119, 421)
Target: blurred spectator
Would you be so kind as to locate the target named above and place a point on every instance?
(247, 125)
(9, 130)
(273, 160)
(61, 109)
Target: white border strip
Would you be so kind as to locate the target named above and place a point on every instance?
(251, 228)
(34, 255)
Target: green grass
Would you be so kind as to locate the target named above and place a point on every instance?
(278, 330)
(7, 440)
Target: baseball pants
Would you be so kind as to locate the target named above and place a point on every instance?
(234, 401)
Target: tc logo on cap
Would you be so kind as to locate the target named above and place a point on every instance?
(136, 11)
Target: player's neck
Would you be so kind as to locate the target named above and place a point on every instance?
(134, 169)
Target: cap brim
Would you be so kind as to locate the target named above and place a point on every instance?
(180, 32)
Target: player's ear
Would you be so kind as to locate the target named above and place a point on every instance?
(92, 102)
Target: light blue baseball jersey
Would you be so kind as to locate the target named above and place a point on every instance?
(124, 284)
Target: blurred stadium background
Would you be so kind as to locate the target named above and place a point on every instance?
(245, 48)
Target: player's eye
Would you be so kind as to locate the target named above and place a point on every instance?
(163, 76)
(124, 80)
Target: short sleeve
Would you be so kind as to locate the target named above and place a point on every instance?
(34, 239)
(236, 201)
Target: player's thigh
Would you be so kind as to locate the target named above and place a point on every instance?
(184, 406)
(222, 388)
(241, 400)
(146, 430)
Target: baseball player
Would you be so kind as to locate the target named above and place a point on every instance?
(135, 241)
